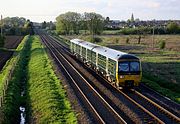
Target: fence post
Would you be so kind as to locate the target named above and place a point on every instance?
(4, 93)
(7, 82)
(0, 101)
(2, 97)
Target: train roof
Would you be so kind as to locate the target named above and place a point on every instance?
(105, 51)
(108, 52)
(76, 41)
(85, 44)
(88, 45)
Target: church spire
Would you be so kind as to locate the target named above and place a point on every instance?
(132, 18)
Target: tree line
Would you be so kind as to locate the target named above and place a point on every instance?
(171, 28)
(73, 22)
(93, 23)
(17, 26)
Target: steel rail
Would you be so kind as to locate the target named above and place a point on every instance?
(174, 117)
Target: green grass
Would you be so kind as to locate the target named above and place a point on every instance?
(45, 99)
(9, 64)
(64, 40)
(161, 72)
(110, 32)
(46, 96)
(12, 98)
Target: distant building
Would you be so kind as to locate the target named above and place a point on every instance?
(114, 24)
(133, 23)
(37, 25)
(132, 18)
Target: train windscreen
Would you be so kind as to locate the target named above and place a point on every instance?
(129, 67)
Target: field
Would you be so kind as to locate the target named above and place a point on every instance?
(161, 67)
(11, 43)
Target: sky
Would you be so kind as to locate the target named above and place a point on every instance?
(48, 10)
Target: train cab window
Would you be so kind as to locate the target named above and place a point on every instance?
(123, 66)
(134, 66)
(129, 67)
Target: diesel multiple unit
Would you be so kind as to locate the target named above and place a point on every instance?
(121, 69)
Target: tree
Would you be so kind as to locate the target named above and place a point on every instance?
(68, 22)
(61, 25)
(173, 27)
(15, 26)
(29, 27)
(72, 22)
(107, 19)
(83, 23)
(44, 25)
(95, 23)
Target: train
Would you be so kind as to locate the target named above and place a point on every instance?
(119, 68)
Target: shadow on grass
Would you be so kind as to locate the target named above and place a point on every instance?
(126, 47)
(163, 77)
(13, 99)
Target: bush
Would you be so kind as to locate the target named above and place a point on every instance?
(95, 39)
(162, 44)
(127, 40)
(116, 40)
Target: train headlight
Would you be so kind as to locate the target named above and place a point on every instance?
(121, 76)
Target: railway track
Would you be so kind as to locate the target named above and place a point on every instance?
(162, 114)
(172, 117)
(158, 118)
(101, 110)
(163, 101)
(144, 117)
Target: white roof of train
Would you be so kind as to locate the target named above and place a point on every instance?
(85, 44)
(105, 51)
(108, 52)
(76, 41)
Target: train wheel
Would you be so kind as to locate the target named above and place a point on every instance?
(117, 84)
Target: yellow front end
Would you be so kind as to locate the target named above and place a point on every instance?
(129, 80)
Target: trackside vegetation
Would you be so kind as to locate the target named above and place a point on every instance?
(11, 113)
(46, 98)
(9, 64)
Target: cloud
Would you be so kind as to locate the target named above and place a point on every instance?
(115, 9)
(153, 4)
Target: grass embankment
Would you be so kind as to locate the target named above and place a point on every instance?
(13, 100)
(10, 63)
(161, 72)
(64, 40)
(161, 68)
(46, 96)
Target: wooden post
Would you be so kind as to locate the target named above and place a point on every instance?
(7, 84)
(0, 102)
(4, 92)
